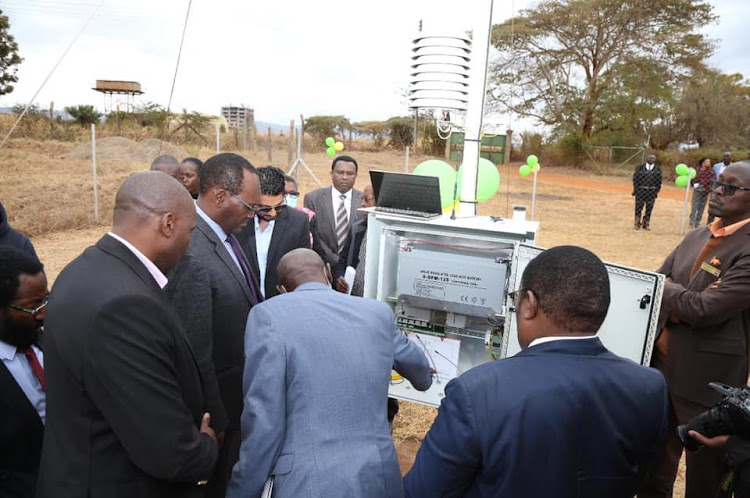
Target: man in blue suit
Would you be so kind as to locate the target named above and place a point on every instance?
(315, 389)
(563, 418)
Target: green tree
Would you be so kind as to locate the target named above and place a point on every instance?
(713, 109)
(9, 58)
(375, 129)
(575, 64)
(400, 132)
(84, 115)
(322, 127)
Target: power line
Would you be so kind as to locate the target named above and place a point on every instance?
(28, 105)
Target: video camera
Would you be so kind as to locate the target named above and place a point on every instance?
(729, 416)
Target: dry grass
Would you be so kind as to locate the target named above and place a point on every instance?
(50, 196)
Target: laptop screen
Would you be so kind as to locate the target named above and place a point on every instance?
(405, 191)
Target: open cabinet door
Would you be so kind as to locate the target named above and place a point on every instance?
(630, 327)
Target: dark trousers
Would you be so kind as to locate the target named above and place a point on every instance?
(705, 468)
(229, 454)
(647, 198)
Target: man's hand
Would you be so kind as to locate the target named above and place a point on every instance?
(714, 285)
(711, 442)
(206, 428)
(342, 286)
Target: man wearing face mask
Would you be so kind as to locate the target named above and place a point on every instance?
(315, 385)
(274, 231)
(23, 298)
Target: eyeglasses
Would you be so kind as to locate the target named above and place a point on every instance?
(34, 311)
(252, 209)
(264, 210)
(292, 193)
(726, 189)
(368, 199)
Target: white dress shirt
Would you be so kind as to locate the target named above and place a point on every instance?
(649, 167)
(155, 272)
(219, 233)
(335, 199)
(19, 368)
(542, 340)
(262, 243)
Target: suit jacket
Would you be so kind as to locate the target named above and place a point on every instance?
(708, 334)
(213, 299)
(124, 394)
(21, 435)
(291, 231)
(325, 242)
(315, 396)
(648, 181)
(562, 418)
(349, 255)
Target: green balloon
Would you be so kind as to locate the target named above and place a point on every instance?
(329, 142)
(681, 181)
(532, 160)
(447, 176)
(524, 170)
(681, 169)
(488, 180)
(692, 172)
(330, 151)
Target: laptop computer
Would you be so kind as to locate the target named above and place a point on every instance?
(406, 195)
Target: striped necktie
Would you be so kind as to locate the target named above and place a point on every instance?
(342, 223)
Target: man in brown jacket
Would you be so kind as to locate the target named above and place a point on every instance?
(706, 311)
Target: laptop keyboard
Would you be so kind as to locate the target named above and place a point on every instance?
(407, 212)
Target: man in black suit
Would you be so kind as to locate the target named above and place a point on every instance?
(352, 251)
(213, 290)
(335, 209)
(23, 297)
(646, 186)
(125, 407)
(274, 231)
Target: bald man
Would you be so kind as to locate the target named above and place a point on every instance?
(125, 409)
(707, 333)
(315, 389)
(169, 165)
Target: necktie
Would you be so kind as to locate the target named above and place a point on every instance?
(342, 222)
(235, 245)
(36, 367)
(358, 287)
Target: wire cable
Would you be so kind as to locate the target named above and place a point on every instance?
(174, 78)
(30, 102)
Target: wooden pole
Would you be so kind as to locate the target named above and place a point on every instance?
(52, 120)
(218, 138)
(290, 146)
(270, 146)
(93, 169)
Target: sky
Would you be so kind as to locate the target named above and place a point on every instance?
(281, 57)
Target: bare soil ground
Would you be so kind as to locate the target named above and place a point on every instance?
(48, 195)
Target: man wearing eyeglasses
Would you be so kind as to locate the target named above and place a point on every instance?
(23, 298)
(706, 336)
(213, 289)
(564, 418)
(274, 231)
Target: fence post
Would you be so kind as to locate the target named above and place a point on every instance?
(218, 138)
(270, 146)
(52, 120)
(290, 147)
(406, 163)
(508, 145)
(93, 169)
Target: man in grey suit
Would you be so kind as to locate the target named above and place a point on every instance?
(315, 389)
(213, 289)
(335, 209)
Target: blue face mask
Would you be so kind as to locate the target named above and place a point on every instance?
(291, 200)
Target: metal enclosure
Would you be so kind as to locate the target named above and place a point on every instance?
(448, 283)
